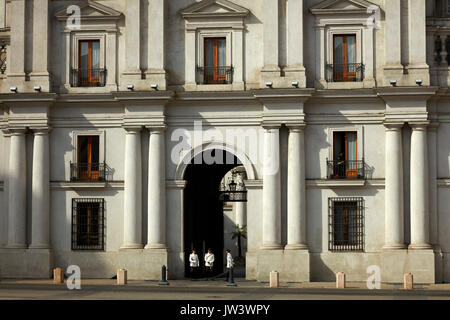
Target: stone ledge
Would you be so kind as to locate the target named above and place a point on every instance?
(65, 185)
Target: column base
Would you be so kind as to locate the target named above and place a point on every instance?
(132, 246)
(26, 264)
(15, 246)
(158, 246)
(271, 246)
(420, 246)
(394, 246)
(297, 246)
(157, 76)
(39, 246)
(143, 264)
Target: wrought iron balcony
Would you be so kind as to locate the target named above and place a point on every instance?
(88, 172)
(215, 75)
(350, 72)
(346, 169)
(88, 77)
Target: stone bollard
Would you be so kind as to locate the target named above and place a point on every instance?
(408, 281)
(58, 276)
(274, 279)
(122, 277)
(163, 281)
(340, 280)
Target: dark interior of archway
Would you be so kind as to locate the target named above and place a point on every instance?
(203, 211)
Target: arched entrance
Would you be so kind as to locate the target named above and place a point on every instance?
(203, 208)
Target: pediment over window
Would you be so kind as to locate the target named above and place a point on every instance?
(342, 6)
(91, 11)
(214, 8)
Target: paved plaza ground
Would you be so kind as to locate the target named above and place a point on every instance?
(95, 289)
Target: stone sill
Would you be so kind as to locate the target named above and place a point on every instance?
(67, 185)
(441, 183)
(329, 183)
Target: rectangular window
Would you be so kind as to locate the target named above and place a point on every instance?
(88, 165)
(344, 64)
(215, 61)
(346, 224)
(87, 224)
(89, 73)
(345, 153)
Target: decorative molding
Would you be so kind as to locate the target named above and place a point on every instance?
(176, 184)
(214, 8)
(2, 185)
(65, 185)
(344, 183)
(91, 11)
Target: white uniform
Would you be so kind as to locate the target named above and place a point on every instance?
(193, 260)
(209, 259)
(230, 263)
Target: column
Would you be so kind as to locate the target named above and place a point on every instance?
(271, 36)
(17, 60)
(133, 190)
(393, 33)
(419, 187)
(394, 236)
(40, 206)
(271, 189)
(417, 33)
(296, 197)
(156, 190)
(40, 38)
(241, 213)
(433, 190)
(133, 37)
(393, 69)
(17, 200)
(156, 31)
(2, 13)
(320, 56)
(295, 41)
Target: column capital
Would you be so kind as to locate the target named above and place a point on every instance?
(157, 129)
(41, 131)
(419, 126)
(17, 131)
(271, 126)
(132, 129)
(296, 127)
(393, 126)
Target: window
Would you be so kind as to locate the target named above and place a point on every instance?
(87, 167)
(215, 70)
(89, 73)
(346, 224)
(87, 224)
(345, 67)
(345, 163)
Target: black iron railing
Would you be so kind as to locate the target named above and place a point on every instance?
(89, 172)
(88, 224)
(345, 169)
(346, 224)
(233, 196)
(350, 72)
(88, 77)
(215, 75)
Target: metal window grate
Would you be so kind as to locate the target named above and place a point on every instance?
(346, 224)
(88, 224)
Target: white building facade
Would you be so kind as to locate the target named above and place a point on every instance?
(121, 121)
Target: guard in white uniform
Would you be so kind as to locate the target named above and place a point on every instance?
(194, 263)
(209, 262)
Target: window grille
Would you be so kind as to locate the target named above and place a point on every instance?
(346, 224)
(88, 224)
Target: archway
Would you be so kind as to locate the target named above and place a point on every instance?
(203, 209)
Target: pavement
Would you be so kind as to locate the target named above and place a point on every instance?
(108, 289)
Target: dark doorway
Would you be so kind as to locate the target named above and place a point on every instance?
(203, 211)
